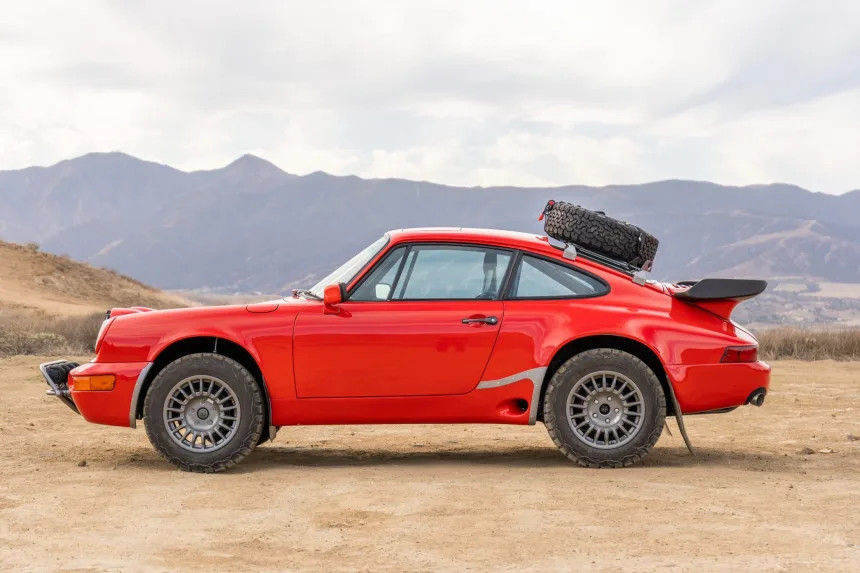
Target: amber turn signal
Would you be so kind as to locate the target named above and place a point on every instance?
(87, 383)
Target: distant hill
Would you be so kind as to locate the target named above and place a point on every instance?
(249, 226)
(34, 281)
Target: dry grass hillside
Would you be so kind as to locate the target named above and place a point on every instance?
(32, 280)
(50, 304)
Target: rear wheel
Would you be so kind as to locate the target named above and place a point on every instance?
(204, 413)
(604, 408)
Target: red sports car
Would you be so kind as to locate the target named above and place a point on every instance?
(430, 326)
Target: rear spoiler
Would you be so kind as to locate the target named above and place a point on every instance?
(719, 296)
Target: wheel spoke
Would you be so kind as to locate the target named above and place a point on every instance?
(605, 409)
(201, 413)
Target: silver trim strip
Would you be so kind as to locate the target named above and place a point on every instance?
(132, 413)
(536, 375)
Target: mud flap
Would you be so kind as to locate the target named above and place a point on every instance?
(679, 417)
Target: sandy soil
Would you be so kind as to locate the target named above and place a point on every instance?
(440, 497)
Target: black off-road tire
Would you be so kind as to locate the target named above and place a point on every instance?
(648, 244)
(595, 231)
(249, 426)
(561, 430)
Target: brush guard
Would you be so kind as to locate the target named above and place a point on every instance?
(56, 374)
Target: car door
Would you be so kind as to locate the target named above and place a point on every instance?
(422, 322)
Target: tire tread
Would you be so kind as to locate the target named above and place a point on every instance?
(592, 230)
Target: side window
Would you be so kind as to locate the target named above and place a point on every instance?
(436, 272)
(539, 278)
(378, 284)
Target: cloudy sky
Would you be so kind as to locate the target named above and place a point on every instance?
(474, 93)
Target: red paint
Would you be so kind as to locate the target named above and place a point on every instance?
(415, 361)
(106, 407)
(397, 348)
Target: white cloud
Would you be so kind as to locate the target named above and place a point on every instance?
(473, 93)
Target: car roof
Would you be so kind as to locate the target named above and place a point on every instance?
(510, 239)
(514, 239)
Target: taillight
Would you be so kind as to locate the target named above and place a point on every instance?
(740, 354)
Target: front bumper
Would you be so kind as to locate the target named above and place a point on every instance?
(710, 387)
(115, 407)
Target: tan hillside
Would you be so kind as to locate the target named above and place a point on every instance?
(57, 285)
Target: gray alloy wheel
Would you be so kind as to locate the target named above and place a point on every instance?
(201, 413)
(204, 412)
(604, 408)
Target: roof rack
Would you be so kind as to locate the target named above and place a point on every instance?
(572, 250)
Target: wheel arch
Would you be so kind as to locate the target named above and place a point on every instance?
(201, 345)
(632, 346)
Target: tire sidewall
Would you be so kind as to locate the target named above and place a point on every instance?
(232, 374)
(566, 377)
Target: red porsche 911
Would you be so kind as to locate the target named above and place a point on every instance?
(435, 326)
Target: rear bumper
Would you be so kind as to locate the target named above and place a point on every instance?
(705, 387)
(115, 407)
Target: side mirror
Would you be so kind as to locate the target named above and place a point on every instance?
(334, 294)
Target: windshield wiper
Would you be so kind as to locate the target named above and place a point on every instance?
(308, 294)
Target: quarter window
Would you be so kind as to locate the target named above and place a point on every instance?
(539, 278)
(379, 282)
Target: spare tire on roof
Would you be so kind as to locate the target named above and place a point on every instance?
(594, 231)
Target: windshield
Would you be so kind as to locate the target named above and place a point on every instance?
(347, 271)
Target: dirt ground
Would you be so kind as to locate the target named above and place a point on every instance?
(440, 497)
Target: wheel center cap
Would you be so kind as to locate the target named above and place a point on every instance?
(202, 413)
(604, 409)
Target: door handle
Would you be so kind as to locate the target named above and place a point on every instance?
(483, 319)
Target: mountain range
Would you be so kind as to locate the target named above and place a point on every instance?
(251, 227)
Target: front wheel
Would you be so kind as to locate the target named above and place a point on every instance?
(204, 413)
(604, 408)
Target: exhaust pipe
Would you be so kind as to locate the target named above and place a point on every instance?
(757, 397)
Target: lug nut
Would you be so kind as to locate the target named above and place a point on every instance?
(616, 409)
(607, 420)
(594, 415)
